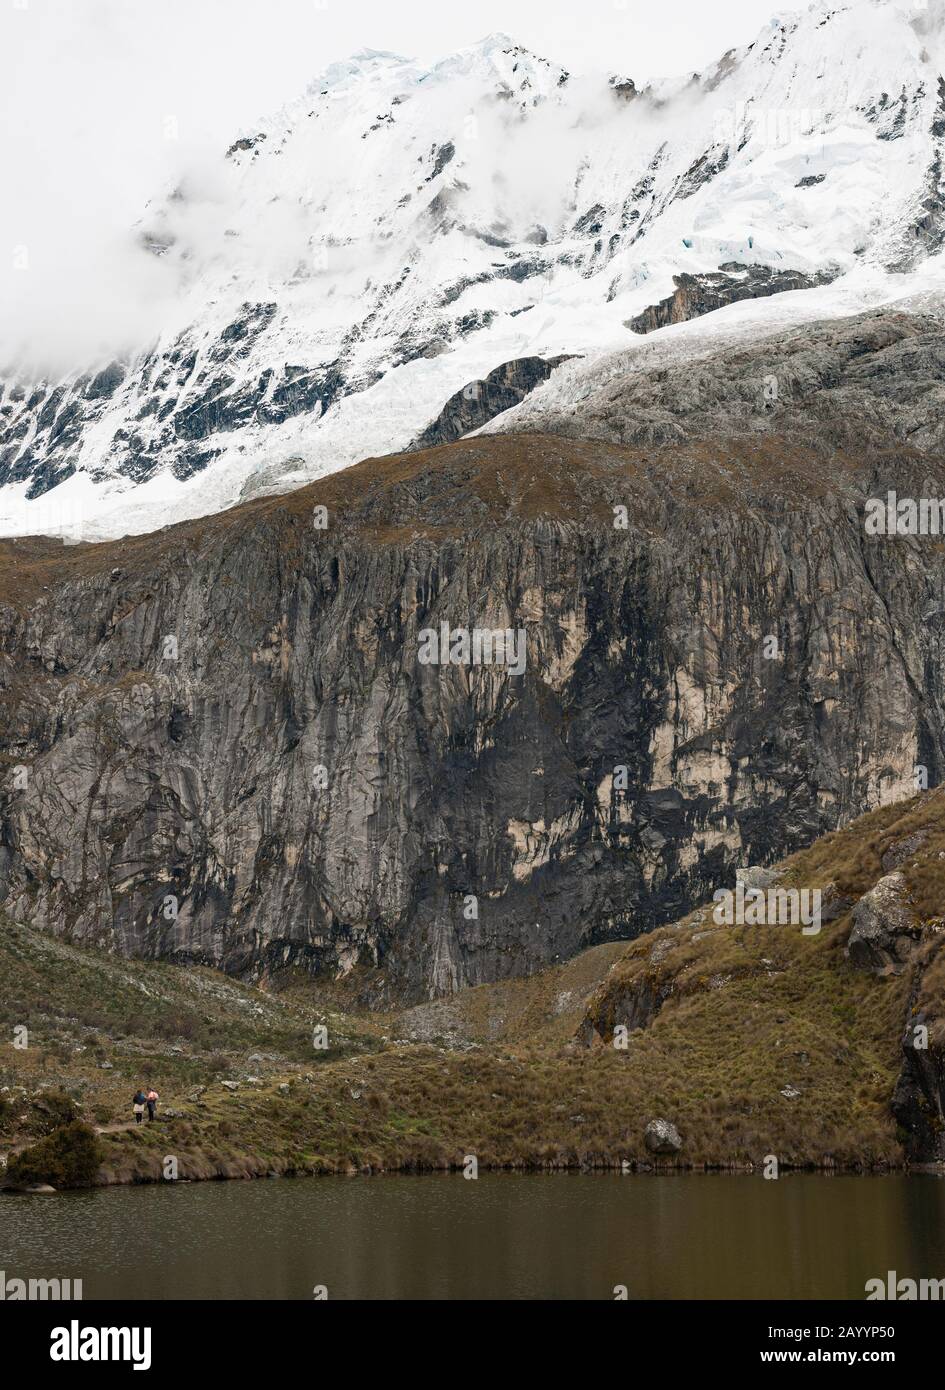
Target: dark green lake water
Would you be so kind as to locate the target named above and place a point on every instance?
(502, 1236)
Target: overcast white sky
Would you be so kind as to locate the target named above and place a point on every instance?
(87, 86)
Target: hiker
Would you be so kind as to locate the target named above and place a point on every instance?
(138, 1103)
(152, 1100)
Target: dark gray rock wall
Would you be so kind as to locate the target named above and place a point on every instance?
(230, 718)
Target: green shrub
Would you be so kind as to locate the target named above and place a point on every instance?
(56, 1109)
(69, 1157)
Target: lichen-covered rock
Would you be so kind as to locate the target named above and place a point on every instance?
(755, 876)
(661, 1137)
(884, 930)
(901, 850)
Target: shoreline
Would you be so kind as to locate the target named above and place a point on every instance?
(248, 1167)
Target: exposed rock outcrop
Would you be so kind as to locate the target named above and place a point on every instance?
(481, 401)
(918, 1101)
(755, 876)
(696, 295)
(899, 852)
(834, 903)
(884, 932)
(781, 992)
(631, 1005)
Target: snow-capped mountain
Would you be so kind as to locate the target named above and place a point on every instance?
(399, 231)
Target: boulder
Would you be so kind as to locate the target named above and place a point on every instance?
(884, 930)
(754, 876)
(661, 1137)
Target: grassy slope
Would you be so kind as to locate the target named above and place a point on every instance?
(495, 1071)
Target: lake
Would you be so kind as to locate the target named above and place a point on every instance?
(504, 1236)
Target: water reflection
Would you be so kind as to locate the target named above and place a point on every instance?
(502, 1236)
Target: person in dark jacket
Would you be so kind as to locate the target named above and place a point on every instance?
(138, 1103)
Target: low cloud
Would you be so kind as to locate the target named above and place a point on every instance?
(107, 106)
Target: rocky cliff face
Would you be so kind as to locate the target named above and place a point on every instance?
(227, 741)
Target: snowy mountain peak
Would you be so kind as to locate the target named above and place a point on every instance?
(400, 230)
(365, 65)
(516, 66)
